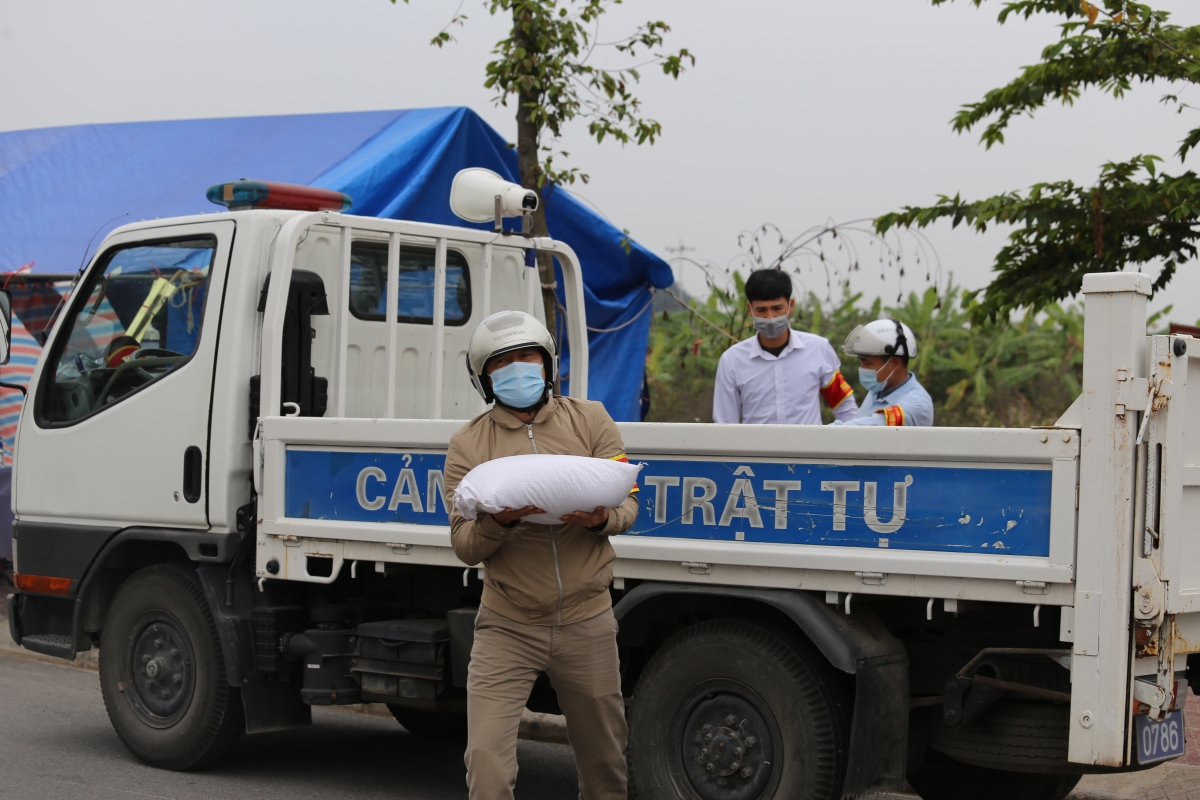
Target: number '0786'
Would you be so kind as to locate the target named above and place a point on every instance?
(1163, 738)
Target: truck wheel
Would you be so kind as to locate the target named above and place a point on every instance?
(1016, 735)
(940, 777)
(729, 710)
(162, 673)
(436, 725)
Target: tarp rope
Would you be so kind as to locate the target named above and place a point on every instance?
(563, 312)
(627, 322)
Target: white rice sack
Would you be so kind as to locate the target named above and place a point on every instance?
(559, 485)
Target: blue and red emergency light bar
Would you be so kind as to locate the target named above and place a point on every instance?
(242, 195)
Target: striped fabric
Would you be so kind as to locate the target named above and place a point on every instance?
(19, 369)
(35, 303)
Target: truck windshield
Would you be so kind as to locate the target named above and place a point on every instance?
(134, 321)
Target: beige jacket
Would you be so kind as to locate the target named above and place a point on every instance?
(539, 574)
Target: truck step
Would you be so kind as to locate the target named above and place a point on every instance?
(50, 644)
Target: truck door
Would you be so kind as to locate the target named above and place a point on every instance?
(115, 430)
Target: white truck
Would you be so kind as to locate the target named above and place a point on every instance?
(229, 478)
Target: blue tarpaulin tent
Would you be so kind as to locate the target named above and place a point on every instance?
(59, 186)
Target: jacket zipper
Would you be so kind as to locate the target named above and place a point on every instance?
(553, 543)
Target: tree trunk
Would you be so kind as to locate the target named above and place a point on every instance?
(528, 141)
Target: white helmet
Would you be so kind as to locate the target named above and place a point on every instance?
(503, 332)
(883, 337)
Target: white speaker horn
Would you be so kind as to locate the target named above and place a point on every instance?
(473, 197)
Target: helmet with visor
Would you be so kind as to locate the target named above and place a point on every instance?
(882, 337)
(504, 332)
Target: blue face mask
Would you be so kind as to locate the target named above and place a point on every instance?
(519, 384)
(870, 380)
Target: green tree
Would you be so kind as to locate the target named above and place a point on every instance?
(545, 64)
(1134, 214)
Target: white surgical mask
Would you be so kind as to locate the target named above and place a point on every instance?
(771, 327)
(519, 384)
(870, 380)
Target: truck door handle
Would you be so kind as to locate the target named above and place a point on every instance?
(193, 469)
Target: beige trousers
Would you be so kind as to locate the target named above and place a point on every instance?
(582, 664)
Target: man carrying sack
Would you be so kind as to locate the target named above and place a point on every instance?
(546, 606)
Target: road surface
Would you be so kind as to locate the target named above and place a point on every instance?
(56, 741)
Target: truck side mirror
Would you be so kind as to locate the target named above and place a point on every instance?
(5, 325)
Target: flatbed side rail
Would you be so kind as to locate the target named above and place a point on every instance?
(389, 506)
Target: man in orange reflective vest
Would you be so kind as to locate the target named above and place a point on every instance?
(894, 395)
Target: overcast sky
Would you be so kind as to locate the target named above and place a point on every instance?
(795, 113)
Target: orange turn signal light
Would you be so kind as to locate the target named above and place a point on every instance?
(43, 584)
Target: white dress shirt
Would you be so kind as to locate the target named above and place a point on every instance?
(756, 387)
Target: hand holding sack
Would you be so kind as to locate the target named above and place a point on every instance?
(559, 485)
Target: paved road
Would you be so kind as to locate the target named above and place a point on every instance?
(56, 741)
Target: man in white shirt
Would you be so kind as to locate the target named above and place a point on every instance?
(779, 376)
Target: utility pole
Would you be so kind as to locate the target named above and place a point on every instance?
(677, 253)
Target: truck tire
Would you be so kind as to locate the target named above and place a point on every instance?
(1018, 735)
(731, 710)
(940, 777)
(162, 673)
(438, 726)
